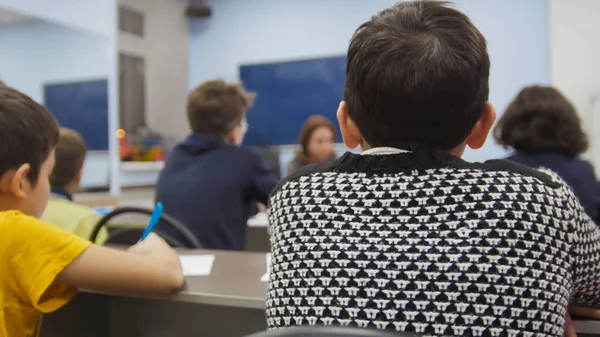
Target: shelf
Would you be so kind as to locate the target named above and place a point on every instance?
(142, 166)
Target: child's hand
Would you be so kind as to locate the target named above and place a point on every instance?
(151, 244)
(159, 250)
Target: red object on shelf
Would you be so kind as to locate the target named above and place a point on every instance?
(125, 149)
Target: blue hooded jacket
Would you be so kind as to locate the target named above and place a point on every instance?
(213, 187)
(577, 173)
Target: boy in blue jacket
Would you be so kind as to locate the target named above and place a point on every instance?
(209, 182)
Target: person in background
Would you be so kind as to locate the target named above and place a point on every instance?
(408, 236)
(316, 138)
(66, 176)
(210, 183)
(42, 265)
(545, 131)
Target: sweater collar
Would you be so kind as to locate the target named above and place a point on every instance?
(60, 193)
(395, 160)
(378, 151)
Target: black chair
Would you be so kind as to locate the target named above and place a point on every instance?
(129, 236)
(329, 331)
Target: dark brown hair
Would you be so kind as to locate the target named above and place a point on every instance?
(216, 107)
(541, 119)
(417, 76)
(70, 154)
(28, 133)
(308, 128)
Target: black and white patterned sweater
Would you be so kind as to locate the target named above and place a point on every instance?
(427, 243)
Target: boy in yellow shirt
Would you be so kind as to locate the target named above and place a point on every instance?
(41, 265)
(66, 176)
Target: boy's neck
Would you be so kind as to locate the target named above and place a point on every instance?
(225, 139)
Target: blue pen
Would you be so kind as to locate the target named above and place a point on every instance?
(158, 209)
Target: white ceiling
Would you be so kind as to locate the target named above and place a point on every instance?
(8, 17)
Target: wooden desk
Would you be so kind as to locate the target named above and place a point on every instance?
(587, 328)
(228, 302)
(234, 281)
(104, 201)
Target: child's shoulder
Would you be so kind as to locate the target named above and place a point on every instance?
(511, 168)
(67, 206)
(344, 172)
(68, 215)
(245, 158)
(222, 151)
(306, 171)
(245, 151)
(16, 225)
(74, 218)
(8, 218)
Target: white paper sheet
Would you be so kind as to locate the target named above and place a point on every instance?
(265, 277)
(197, 265)
(259, 220)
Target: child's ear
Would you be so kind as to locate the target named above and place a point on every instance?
(15, 182)
(481, 130)
(350, 133)
(234, 136)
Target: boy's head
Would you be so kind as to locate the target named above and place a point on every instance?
(540, 119)
(417, 78)
(28, 135)
(70, 154)
(219, 108)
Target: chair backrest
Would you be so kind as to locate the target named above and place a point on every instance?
(328, 331)
(127, 234)
(130, 236)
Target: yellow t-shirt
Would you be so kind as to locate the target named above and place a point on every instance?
(32, 254)
(74, 218)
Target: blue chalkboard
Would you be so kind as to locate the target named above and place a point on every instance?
(289, 93)
(81, 106)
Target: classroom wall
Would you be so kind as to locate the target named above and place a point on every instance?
(166, 50)
(257, 31)
(36, 53)
(91, 15)
(98, 17)
(575, 61)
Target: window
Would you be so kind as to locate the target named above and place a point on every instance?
(131, 21)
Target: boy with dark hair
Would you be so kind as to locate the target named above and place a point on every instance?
(41, 264)
(209, 182)
(61, 211)
(408, 236)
